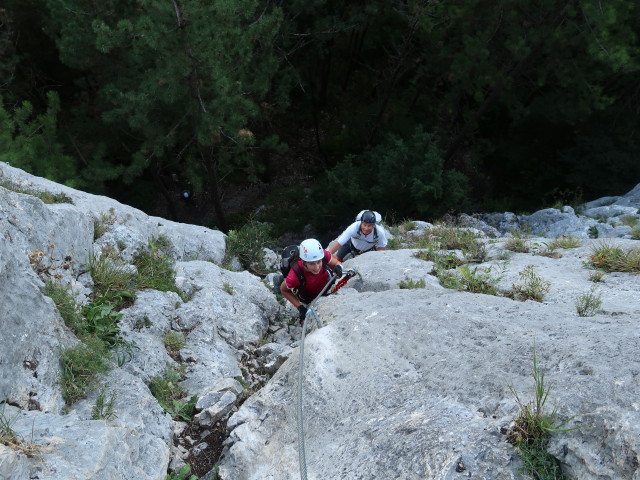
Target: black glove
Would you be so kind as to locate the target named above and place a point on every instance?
(303, 312)
(337, 270)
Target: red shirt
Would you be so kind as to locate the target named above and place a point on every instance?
(313, 283)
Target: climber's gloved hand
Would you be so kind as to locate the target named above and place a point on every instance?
(337, 270)
(303, 312)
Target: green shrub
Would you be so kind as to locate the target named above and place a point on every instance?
(532, 429)
(412, 164)
(615, 259)
(588, 304)
(80, 366)
(409, 283)
(247, 243)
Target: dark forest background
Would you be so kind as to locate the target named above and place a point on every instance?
(316, 109)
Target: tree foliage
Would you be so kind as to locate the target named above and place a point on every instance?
(184, 79)
(524, 98)
(407, 175)
(29, 141)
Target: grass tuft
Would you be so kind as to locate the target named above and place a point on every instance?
(566, 242)
(154, 267)
(606, 257)
(45, 196)
(11, 439)
(80, 366)
(174, 340)
(104, 409)
(533, 427)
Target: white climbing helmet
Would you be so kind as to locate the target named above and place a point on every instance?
(311, 250)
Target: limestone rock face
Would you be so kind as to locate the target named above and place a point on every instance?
(416, 384)
(220, 313)
(398, 383)
(601, 218)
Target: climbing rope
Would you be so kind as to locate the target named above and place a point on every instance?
(311, 310)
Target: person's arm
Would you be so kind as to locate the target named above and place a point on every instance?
(334, 247)
(288, 294)
(334, 261)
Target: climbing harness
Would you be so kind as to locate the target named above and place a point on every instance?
(311, 310)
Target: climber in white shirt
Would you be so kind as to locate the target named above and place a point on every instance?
(363, 235)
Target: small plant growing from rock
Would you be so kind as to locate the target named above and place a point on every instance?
(45, 196)
(596, 277)
(589, 303)
(566, 242)
(630, 221)
(12, 440)
(476, 280)
(546, 250)
(533, 287)
(113, 282)
(80, 366)
(104, 409)
(409, 283)
(101, 224)
(65, 302)
(533, 427)
(227, 287)
(592, 232)
(518, 243)
(171, 396)
(173, 342)
(154, 266)
(183, 474)
(442, 260)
